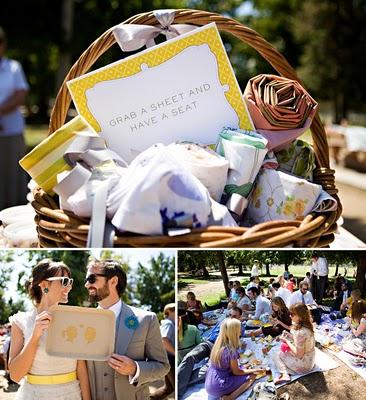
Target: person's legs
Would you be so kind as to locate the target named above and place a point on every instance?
(169, 383)
(321, 288)
(241, 389)
(281, 368)
(185, 368)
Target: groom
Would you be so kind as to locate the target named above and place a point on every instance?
(139, 356)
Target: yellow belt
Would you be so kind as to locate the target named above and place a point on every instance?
(51, 379)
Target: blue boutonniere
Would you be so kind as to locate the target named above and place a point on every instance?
(131, 322)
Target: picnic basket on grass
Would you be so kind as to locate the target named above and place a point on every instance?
(58, 228)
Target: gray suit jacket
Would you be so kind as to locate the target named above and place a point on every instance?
(144, 345)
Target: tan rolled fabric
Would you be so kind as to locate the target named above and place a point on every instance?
(280, 108)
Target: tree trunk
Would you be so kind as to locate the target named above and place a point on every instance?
(268, 272)
(361, 271)
(222, 267)
(67, 24)
(286, 267)
(240, 271)
(336, 270)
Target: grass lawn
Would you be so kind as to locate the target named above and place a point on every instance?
(213, 298)
(210, 292)
(34, 134)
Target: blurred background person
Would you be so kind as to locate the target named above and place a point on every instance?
(167, 330)
(13, 90)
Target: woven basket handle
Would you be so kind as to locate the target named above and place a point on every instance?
(197, 17)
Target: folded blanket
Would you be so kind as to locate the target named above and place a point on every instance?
(245, 152)
(297, 159)
(281, 196)
(206, 165)
(158, 193)
(46, 160)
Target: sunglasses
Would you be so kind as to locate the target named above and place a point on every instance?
(65, 280)
(92, 278)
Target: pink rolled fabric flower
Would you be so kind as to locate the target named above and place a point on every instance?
(280, 108)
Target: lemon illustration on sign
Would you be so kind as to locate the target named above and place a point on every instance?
(70, 333)
(90, 334)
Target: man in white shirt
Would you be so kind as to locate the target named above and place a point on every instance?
(255, 269)
(282, 292)
(139, 356)
(253, 282)
(262, 304)
(303, 295)
(320, 265)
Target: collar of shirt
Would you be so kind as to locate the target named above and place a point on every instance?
(116, 308)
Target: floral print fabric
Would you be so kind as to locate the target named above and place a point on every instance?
(280, 196)
(297, 159)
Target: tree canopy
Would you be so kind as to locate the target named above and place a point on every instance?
(322, 40)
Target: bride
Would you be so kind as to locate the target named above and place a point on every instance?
(44, 376)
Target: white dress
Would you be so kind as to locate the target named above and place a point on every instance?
(43, 364)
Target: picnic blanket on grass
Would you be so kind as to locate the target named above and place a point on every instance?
(323, 363)
(334, 332)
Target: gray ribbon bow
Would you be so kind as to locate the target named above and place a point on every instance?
(131, 37)
(84, 154)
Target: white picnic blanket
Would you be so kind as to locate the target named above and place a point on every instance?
(323, 363)
(337, 335)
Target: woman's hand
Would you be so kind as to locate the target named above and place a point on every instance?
(41, 324)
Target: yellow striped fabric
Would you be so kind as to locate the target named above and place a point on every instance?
(46, 160)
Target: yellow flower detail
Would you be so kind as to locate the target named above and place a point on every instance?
(299, 208)
(288, 208)
(270, 202)
(257, 204)
(256, 193)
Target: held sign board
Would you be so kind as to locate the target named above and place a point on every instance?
(182, 89)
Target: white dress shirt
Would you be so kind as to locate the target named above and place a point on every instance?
(297, 297)
(322, 266)
(285, 295)
(255, 270)
(262, 306)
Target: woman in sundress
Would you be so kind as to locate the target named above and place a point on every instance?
(41, 376)
(297, 355)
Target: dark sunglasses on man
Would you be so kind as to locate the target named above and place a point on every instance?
(92, 278)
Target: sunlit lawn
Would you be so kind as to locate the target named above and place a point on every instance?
(34, 134)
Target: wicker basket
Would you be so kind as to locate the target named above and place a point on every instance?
(57, 228)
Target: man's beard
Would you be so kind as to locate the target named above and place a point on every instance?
(99, 294)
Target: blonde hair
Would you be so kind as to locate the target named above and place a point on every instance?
(229, 336)
(168, 307)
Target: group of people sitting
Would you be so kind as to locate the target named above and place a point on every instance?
(289, 318)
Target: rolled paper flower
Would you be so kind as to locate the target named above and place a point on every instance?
(245, 152)
(280, 108)
(206, 165)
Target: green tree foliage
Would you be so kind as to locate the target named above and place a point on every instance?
(194, 260)
(155, 286)
(9, 307)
